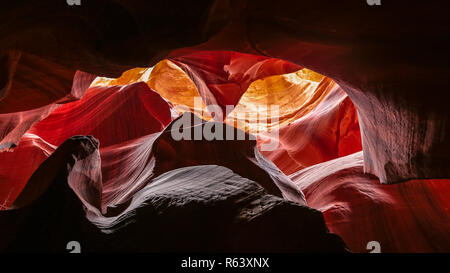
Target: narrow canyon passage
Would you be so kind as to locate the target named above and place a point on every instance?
(332, 109)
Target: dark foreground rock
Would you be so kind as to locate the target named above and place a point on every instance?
(203, 208)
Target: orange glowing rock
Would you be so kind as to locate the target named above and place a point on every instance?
(168, 80)
(293, 95)
(308, 114)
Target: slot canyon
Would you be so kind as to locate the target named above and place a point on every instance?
(224, 126)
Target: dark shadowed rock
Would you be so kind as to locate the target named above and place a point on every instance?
(200, 208)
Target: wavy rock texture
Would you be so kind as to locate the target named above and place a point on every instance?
(406, 217)
(384, 58)
(104, 112)
(117, 172)
(315, 120)
(392, 64)
(222, 77)
(311, 108)
(217, 209)
(30, 100)
(106, 109)
(15, 170)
